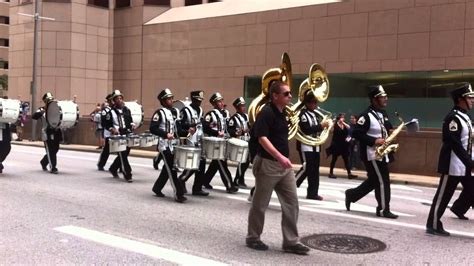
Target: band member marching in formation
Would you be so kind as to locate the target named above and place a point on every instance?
(120, 123)
(371, 130)
(50, 136)
(455, 161)
(310, 125)
(238, 127)
(191, 116)
(215, 125)
(105, 115)
(163, 124)
(5, 139)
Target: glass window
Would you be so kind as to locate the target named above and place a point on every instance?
(122, 3)
(101, 3)
(157, 2)
(423, 95)
(4, 20)
(192, 2)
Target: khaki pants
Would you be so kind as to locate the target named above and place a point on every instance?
(269, 176)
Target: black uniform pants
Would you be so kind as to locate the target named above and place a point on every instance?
(166, 172)
(198, 175)
(5, 148)
(309, 169)
(345, 158)
(121, 161)
(444, 193)
(52, 148)
(240, 173)
(224, 172)
(104, 155)
(378, 180)
(466, 198)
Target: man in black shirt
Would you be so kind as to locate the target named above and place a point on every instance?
(273, 171)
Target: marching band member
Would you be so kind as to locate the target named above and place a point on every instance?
(455, 161)
(191, 116)
(163, 124)
(5, 139)
(105, 115)
(120, 123)
(214, 125)
(238, 127)
(50, 136)
(310, 124)
(371, 130)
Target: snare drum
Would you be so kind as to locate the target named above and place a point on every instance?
(237, 150)
(155, 140)
(213, 148)
(137, 113)
(146, 140)
(133, 140)
(9, 110)
(187, 157)
(62, 114)
(117, 143)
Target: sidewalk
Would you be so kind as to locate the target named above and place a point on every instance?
(396, 178)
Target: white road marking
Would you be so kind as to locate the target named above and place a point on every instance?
(136, 246)
(376, 220)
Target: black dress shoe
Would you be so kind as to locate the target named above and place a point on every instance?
(458, 214)
(128, 178)
(299, 249)
(332, 176)
(242, 185)
(348, 202)
(54, 170)
(200, 193)
(386, 214)
(114, 173)
(159, 194)
(232, 190)
(208, 186)
(438, 232)
(100, 168)
(256, 244)
(181, 199)
(351, 176)
(317, 197)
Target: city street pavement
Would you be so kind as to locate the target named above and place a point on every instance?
(84, 216)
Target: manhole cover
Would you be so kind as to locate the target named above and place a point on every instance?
(341, 243)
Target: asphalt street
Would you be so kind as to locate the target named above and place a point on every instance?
(84, 216)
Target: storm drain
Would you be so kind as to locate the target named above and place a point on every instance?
(342, 243)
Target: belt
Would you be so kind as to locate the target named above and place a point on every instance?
(268, 157)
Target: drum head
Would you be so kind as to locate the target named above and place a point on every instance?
(53, 114)
(238, 142)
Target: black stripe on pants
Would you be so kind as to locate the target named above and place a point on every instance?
(444, 193)
(52, 148)
(310, 169)
(104, 155)
(378, 180)
(220, 165)
(122, 158)
(198, 175)
(166, 172)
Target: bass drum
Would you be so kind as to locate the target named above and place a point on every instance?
(136, 110)
(62, 114)
(9, 110)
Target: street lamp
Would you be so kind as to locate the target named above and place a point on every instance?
(36, 18)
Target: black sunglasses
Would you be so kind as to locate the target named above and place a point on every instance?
(286, 93)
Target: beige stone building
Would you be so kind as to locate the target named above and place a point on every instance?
(418, 49)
